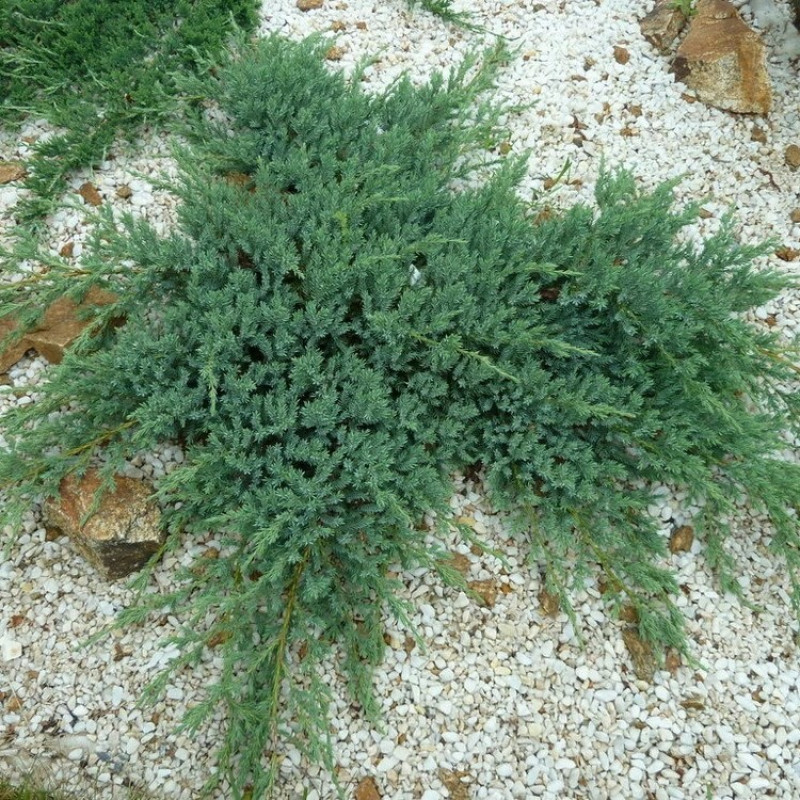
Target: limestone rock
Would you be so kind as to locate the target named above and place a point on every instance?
(88, 191)
(11, 171)
(120, 535)
(723, 60)
(14, 352)
(9, 649)
(681, 539)
(367, 789)
(621, 54)
(641, 653)
(60, 326)
(549, 603)
(662, 25)
(456, 781)
(486, 592)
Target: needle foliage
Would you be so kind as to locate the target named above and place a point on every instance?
(334, 328)
(98, 69)
(103, 69)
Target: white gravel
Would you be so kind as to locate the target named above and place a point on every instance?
(503, 697)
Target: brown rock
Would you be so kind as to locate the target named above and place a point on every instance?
(334, 53)
(90, 195)
(672, 660)
(124, 191)
(62, 324)
(218, 638)
(486, 592)
(120, 652)
(120, 534)
(621, 54)
(362, 26)
(758, 135)
(52, 534)
(459, 562)
(680, 540)
(13, 704)
(367, 789)
(337, 26)
(67, 250)
(549, 604)
(13, 352)
(662, 25)
(723, 60)
(795, 215)
(787, 254)
(456, 781)
(644, 663)
(309, 5)
(792, 156)
(11, 171)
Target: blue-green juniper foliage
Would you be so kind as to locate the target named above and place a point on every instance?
(333, 329)
(99, 69)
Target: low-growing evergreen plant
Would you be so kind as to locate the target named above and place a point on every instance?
(353, 306)
(100, 69)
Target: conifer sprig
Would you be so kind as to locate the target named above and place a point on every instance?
(333, 330)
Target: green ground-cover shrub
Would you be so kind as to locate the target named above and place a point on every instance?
(333, 330)
(101, 69)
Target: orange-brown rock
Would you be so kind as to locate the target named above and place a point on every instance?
(662, 25)
(12, 352)
(60, 326)
(723, 60)
(549, 603)
(11, 171)
(641, 653)
(367, 789)
(88, 191)
(120, 535)
(621, 54)
(681, 539)
(486, 592)
(457, 782)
